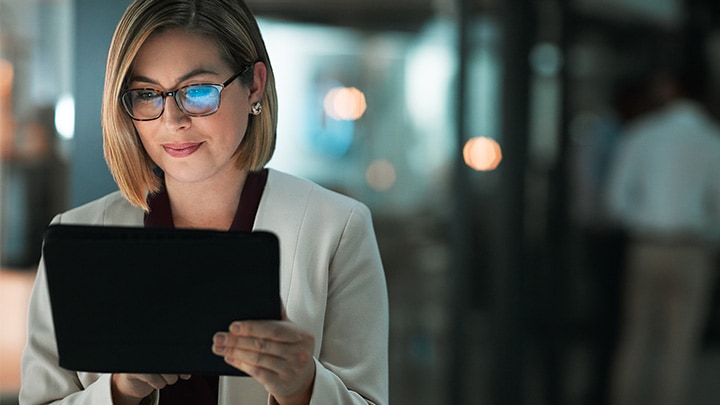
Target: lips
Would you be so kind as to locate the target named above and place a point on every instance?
(179, 150)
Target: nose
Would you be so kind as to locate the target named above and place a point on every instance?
(173, 116)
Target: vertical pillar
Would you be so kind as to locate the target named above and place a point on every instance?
(461, 225)
(509, 307)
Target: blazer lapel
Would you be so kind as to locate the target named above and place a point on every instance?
(281, 211)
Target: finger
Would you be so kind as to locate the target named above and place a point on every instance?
(146, 378)
(224, 345)
(255, 359)
(185, 376)
(156, 381)
(170, 379)
(223, 342)
(261, 374)
(284, 331)
(239, 352)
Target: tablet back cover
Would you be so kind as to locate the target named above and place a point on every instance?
(149, 300)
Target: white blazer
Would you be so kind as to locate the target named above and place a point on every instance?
(332, 284)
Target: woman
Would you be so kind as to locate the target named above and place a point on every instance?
(189, 120)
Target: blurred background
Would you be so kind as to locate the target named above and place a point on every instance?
(479, 132)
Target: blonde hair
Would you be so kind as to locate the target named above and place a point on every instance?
(233, 27)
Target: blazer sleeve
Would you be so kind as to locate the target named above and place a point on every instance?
(43, 380)
(352, 367)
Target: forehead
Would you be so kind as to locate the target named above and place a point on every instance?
(173, 53)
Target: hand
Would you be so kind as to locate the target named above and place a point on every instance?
(278, 354)
(132, 388)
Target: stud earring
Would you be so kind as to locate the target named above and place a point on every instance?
(256, 108)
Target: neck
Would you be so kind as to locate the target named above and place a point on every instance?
(206, 205)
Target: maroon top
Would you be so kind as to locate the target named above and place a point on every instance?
(203, 389)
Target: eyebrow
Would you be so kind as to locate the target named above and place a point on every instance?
(189, 75)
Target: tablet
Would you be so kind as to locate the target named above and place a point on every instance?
(149, 300)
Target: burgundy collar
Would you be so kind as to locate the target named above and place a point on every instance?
(160, 214)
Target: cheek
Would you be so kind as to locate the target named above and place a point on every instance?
(233, 126)
(143, 134)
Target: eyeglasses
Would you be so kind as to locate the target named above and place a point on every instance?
(195, 100)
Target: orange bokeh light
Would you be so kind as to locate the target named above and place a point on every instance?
(482, 154)
(345, 103)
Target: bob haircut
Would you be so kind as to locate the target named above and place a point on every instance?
(233, 27)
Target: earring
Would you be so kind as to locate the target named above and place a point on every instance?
(256, 108)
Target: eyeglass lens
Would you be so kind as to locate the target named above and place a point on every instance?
(193, 100)
(200, 99)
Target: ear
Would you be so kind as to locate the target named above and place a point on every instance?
(257, 88)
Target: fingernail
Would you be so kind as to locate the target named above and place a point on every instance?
(235, 327)
(220, 338)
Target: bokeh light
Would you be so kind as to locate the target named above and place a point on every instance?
(482, 153)
(380, 175)
(65, 116)
(6, 78)
(345, 103)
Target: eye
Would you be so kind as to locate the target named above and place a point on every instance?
(200, 92)
(200, 99)
(144, 96)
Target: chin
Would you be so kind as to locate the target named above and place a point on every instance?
(187, 176)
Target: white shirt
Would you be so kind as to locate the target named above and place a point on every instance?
(666, 175)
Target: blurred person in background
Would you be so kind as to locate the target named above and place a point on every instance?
(189, 122)
(45, 175)
(664, 189)
(602, 241)
(34, 184)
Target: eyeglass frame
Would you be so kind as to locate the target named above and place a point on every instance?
(174, 94)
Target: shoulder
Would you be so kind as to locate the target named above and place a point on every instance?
(293, 189)
(292, 206)
(111, 209)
